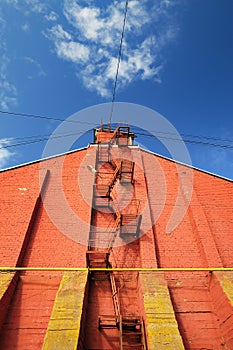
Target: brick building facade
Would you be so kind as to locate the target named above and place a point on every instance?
(162, 229)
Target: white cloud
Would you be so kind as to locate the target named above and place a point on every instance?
(28, 6)
(52, 16)
(86, 19)
(25, 27)
(72, 51)
(65, 47)
(57, 33)
(5, 154)
(39, 70)
(8, 91)
(92, 37)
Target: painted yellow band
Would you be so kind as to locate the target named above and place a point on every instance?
(90, 269)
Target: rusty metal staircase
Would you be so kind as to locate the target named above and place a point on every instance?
(122, 224)
(122, 135)
(131, 220)
(97, 258)
(132, 335)
(126, 171)
(103, 152)
(111, 321)
(131, 328)
(102, 191)
(130, 225)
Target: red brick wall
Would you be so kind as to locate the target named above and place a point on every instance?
(19, 192)
(60, 231)
(203, 238)
(205, 235)
(29, 312)
(215, 195)
(48, 245)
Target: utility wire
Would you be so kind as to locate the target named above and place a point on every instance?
(118, 62)
(43, 117)
(156, 134)
(44, 137)
(136, 130)
(186, 135)
(25, 138)
(23, 143)
(37, 139)
(188, 141)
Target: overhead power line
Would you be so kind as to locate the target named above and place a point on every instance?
(43, 117)
(135, 129)
(187, 141)
(157, 133)
(118, 61)
(35, 139)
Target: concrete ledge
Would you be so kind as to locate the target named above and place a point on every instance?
(221, 289)
(161, 325)
(7, 286)
(65, 322)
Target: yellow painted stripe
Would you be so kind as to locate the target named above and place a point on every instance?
(161, 325)
(146, 269)
(226, 282)
(65, 322)
(7, 286)
(5, 281)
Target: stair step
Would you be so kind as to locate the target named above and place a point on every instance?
(107, 321)
(97, 259)
(98, 264)
(99, 276)
(101, 202)
(129, 222)
(136, 323)
(132, 340)
(139, 346)
(135, 333)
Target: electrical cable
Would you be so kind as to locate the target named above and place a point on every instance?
(188, 141)
(44, 138)
(132, 127)
(186, 135)
(137, 131)
(23, 143)
(24, 138)
(43, 117)
(118, 62)
(40, 139)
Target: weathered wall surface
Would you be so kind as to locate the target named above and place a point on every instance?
(204, 237)
(54, 232)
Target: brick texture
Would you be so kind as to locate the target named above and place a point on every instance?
(52, 230)
(204, 237)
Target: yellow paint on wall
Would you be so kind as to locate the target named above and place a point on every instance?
(65, 321)
(5, 280)
(226, 282)
(161, 325)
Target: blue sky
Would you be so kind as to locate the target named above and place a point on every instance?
(59, 57)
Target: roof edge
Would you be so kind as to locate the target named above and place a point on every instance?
(135, 146)
(43, 159)
(187, 165)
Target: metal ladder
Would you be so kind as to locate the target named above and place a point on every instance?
(132, 333)
(131, 328)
